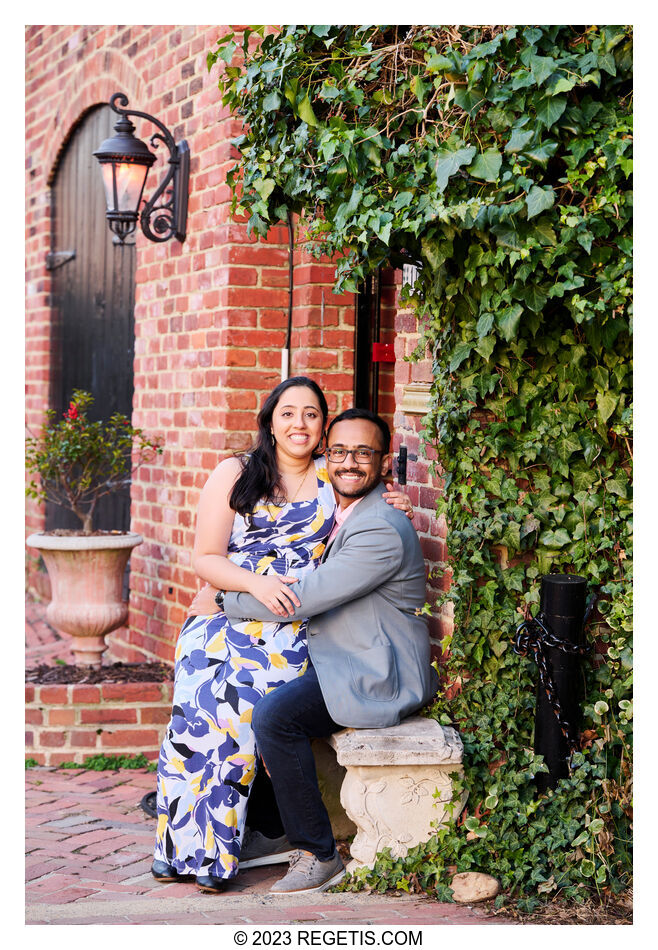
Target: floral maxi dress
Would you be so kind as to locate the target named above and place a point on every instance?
(208, 757)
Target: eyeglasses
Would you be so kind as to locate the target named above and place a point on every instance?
(364, 455)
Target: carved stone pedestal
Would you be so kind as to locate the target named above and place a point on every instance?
(392, 775)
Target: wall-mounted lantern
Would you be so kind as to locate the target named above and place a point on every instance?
(125, 161)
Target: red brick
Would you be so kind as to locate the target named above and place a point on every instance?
(155, 714)
(129, 738)
(85, 694)
(428, 498)
(61, 717)
(83, 739)
(53, 694)
(52, 739)
(133, 692)
(29, 693)
(108, 715)
(33, 717)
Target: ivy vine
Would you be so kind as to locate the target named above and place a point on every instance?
(499, 159)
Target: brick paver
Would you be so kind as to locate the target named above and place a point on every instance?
(43, 644)
(88, 858)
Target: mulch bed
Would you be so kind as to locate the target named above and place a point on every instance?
(115, 673)
(618, 910)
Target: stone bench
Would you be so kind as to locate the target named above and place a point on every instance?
(390, 780)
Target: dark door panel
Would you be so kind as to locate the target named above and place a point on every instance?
(93, 301)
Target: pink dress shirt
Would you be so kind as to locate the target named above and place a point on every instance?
(342, 514)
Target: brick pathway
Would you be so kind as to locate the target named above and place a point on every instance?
(89, 851)
(89, 846)
(43, 644)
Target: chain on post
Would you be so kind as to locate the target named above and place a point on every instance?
(532, 637)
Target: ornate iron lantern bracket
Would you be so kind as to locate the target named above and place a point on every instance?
(165, 214)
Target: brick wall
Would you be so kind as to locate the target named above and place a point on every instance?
(210, 314)
(424, 472)
(72, 723)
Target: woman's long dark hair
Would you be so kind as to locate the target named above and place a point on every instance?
(260, 478)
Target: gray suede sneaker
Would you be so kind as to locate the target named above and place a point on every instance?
(257, 850)
(307, 873)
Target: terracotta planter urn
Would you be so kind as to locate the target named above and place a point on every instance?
(86, 575)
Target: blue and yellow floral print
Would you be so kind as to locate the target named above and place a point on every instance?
(208, 757)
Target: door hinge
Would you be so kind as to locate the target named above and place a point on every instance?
(57, 258)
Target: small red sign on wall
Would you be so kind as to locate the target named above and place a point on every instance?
(383, 353)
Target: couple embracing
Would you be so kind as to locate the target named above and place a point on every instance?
(309, 623)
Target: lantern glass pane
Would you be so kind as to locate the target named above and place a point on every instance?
(130, 178)
(107, 171)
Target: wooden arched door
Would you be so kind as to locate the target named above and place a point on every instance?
(93, 333)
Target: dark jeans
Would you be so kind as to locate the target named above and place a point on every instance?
(285, 721)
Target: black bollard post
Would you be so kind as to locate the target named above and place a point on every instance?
(562, 612)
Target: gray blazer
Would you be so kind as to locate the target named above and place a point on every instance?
(369, 647)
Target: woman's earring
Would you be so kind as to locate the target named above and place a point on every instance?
(321, 447)
(272, 437)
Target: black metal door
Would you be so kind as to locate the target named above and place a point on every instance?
(93, 301)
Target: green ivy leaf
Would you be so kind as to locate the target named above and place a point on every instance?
(606, 403)
(469, 99)
(486, 346)
(461, 352)
(305, 111)
(403, 199)
(337, 174)
(539, 199)
(448, 162)
(566, 445)
(564, 84)
(486, 165)
(535, 298)
(508, 321)
(272, 101)
(484, 324)
(617, 486)
(518, 140)
(541, 67)
(555, 539)
(550, 108)
(264, 187)
(226, 53)
(544, 233)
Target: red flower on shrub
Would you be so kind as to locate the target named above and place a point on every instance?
(73, 411)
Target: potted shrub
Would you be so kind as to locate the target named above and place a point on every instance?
(78, 462)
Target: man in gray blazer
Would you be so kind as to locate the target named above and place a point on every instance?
(368, 644)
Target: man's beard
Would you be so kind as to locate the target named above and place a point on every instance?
(359, 490)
